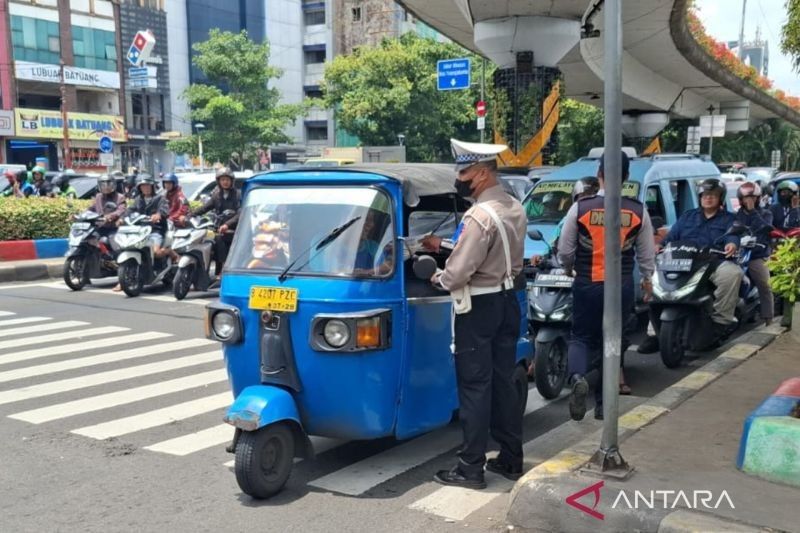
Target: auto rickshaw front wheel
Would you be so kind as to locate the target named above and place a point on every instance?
(264, 460)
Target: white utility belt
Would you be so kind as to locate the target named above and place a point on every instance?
(462, 298)
(479, 291)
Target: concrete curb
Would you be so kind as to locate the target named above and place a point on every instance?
(538, 499)
(32, 271)
(33, 249)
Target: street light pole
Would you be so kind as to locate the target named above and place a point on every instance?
(711, 134)
(65, 121)
(200, 127)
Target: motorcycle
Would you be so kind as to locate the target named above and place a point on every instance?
(195, 246)
(550, 319)
(683, 296)
(137, 265)
(89, 254)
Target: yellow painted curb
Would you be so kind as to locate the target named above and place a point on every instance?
(640, 416)
(697, 380)
(741, 351)
(564, 462)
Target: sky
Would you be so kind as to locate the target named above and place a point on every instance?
(722, 19)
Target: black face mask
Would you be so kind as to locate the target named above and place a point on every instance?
(463, 188)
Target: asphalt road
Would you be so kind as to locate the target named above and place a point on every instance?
(111, 420)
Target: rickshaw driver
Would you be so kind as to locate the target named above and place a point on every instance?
(479, 274)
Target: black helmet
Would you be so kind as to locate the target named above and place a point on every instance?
(712, 185)
(748, 188)
(588, 186)
(145, 179)
(61, 180)
(223, 172)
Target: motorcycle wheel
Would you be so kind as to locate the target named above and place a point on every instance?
(131, 278)
(550, 368)
(670, 340)
(183, 282)
(75, 273)
(520, 380)
(264, 460)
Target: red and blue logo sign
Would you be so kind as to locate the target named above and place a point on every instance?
(140, 50)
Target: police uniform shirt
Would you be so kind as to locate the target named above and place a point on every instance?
(478, 258)
(644, 243)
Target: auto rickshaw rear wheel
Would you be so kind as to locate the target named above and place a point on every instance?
(264, 460)
(520, 380)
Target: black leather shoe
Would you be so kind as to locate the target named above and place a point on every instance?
(649, 345)
(577, 399)
(504, 469)
(456, 478)
(598, 412)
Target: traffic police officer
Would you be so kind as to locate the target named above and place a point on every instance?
(582, 249)
(480, 274)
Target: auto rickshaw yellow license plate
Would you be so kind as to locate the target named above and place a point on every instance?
(273, 299)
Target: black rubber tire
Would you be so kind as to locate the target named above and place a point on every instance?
(184, 277)
(75, 266)
(670, 340)
(520, 380)
(264, 460)
(549, 383)
(130, 278)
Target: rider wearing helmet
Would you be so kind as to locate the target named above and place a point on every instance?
(40, 185)
(707, 226)
(759, 221)
(106, 195)
(224, 197)
(148, 202)
(786, 208)
(62, 187)
(178, 204)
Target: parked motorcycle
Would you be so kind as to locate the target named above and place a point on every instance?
(683, 296)
(137, 265)
(90, 254)
(195, 246)
(550, 317)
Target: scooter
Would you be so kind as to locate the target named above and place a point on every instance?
(683, 296)
(550, 319)
(137, 265)
(89, 254)
(195, 246)
(749, 300)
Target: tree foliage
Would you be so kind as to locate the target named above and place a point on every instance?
(240, 111)
(790, 35)
(580, 128)
(389, 90)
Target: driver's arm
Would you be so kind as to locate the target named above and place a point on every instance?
(646, 248)
(568, 240)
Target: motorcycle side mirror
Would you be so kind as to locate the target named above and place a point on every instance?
(737, 229)
(424, 267)
(535, 235)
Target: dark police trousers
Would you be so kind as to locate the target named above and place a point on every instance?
(586, 343)
(486, 348)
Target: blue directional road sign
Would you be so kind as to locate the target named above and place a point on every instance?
(453, 74)
(105, 144)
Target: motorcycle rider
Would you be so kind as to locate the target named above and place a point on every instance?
(18, 187)
(106, 196)
(40, 185)
(178, 204)
(787, 208)
(62, 187)
(759, 221)
(148, 202)
(704, 227)
(224, 197)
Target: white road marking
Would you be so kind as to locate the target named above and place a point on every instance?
(112, 357)
(111, 376)
(55, 337)
(6, 313)
(159, 417)
(73, 348)
(194, 442)
(41, 328)
(114, 399)
(171, 299)
(27, 320)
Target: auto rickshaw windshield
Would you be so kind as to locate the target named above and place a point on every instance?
(280, 225)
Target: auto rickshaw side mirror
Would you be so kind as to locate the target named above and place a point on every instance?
(424, 267)
(535, 234)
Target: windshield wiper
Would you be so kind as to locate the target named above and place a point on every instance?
(325, 241)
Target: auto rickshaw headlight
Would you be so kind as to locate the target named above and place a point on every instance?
(224, 325)
(336, 333)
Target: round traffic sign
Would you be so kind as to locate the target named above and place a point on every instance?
(105, 144)
(480, 108)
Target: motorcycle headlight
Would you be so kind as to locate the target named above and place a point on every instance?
(561, 314)
(690, 286)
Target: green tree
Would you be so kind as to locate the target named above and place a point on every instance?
(240, 111)
(389, 90)
(790, 35)
(580, 128)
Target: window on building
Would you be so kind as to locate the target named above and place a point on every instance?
(96, 49)
(312, 18)
(314, 56)
(314, 93)
(35, 40)
(356, 14)
(317, 133)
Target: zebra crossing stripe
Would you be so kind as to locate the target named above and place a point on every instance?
(113, 399)
(112, 357)
(111, 376)
(194, 442)
(73, 348)
(42, 328)
(6, 313)
(55, 337)
(158, 417)
(26, 320)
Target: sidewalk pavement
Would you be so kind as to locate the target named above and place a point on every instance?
(32, 269)
(690, 448)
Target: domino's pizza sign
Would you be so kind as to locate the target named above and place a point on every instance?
(142, 46)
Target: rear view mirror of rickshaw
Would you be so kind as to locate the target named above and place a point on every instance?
(424, 267)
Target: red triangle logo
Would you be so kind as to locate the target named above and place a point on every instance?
(594, 489)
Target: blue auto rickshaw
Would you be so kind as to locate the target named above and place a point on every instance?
(326, 328)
